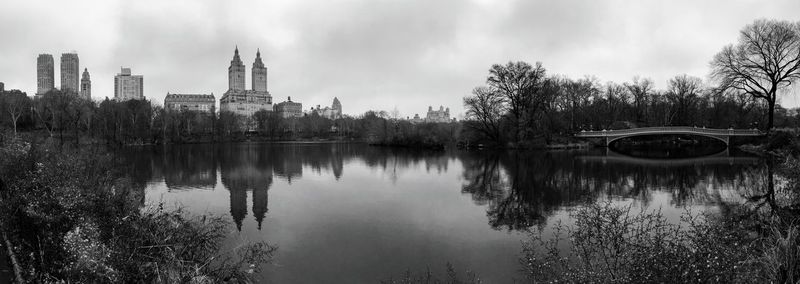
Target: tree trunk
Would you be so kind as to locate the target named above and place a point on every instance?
(771, 115)
(14, 261)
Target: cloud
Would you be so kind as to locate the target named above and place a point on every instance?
(371, 54)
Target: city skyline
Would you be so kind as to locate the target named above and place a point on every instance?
(402, 55)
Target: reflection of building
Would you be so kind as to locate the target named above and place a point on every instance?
(193, 102)
(127, 86)
(241, 101)
(332, 112)
(289, 109)
(69, 72)
(441, 115)
(246, 169)
(260, 204)
(44, 74)
(86, 85)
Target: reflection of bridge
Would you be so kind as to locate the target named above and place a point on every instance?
(720, 158)
(723, 135)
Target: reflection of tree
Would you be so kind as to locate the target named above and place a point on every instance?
(523, 189)
(190, 166)
(520, 190)
(778, 196)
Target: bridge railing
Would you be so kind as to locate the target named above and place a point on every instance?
(670, 129)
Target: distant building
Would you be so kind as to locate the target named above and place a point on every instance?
(441, 115)
(332, 112)
(193, 102)
(70, 69)
(86, 85)
(417, 119)
(246, 102)
(289, 109)
(2, 87)
(45, 74)
(127, 86)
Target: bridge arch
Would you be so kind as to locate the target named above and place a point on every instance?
(723, 135)
(724, 139)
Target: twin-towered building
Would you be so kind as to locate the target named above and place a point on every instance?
(70, 69)
(239, 100)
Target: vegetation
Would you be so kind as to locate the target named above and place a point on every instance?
(521, 106)
(70, 214)
(753, 242)
(69, 118)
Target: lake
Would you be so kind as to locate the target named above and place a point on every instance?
(352, 213)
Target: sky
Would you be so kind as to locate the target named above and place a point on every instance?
(371, 54)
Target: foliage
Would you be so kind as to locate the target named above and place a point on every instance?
(765, 60)
(428, 277)
(73, 216)
(609, 244)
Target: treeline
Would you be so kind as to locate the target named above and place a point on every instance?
(69, 118)
(521, 105)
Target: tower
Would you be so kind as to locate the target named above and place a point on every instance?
(259, 74)
(69, 72)
(236, 73)
(336, 104)
(45, 78)
(86, 85)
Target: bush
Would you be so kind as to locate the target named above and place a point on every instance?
(611, 245)
(73, 216)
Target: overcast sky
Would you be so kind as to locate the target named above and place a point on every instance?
(371, 54)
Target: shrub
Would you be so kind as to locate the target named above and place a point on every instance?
(610, 244)
(73, 216)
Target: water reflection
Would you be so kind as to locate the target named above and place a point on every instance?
(519, 190)
(336, 205)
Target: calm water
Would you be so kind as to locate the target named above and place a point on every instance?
(351, 213)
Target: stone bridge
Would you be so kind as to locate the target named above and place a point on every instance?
(723, 135)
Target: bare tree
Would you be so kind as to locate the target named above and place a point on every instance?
(486, 107)
(765, 60)
(520, 84)
(683, 92)
(640, 88)
(15, 104)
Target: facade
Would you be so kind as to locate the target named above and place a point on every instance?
(236, 73)
(246, 102)
(70, 72)
(193, 102)
(259, 74)
(45, 74)
(332, 112)
(417, 119)
(86, 85)
(289, 109)
(441, 115)
(127, 86)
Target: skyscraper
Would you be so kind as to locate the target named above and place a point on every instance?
(246, 102)
(127, 86)
(70, 70)
(45, 76)
(86, 85)
(236, 73)
(259, 74)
